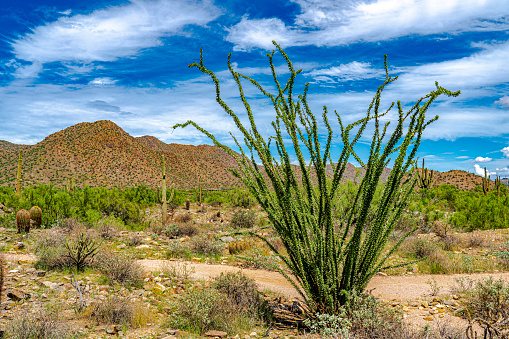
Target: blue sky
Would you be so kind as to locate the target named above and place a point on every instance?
(65, 62)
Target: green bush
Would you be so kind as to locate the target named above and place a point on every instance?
(206, 245)
(242, 293)
(202, 309)
(243, 219)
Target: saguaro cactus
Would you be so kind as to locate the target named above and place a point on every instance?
(23, 221)
(18, 176)
(36, 216)
(163, 194)
(164, 200)
(498, 182)
(486, 182)
(425, 178)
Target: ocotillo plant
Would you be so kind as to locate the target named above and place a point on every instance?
(36, 216)
(23, 221)
(486, 182)
(18, 175)
(498, 182)
(328, 264)
(425, 177)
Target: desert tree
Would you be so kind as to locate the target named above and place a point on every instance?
(327, 263)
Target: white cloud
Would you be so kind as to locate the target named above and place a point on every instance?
(112, 33)
(505, 151)
(347, 72)
(260, 33)
(462, 157)
(102, 81)
(503, 101)
(480, 171)
(333, 23)
(481, 159)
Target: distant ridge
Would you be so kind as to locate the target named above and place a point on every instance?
(103, 154)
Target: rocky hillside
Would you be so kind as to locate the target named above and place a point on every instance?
(103, 154)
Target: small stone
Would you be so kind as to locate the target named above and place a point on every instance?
(18, 246)
(455, 297)
(196, 259)
(429, 318)
(180, 333)
(214, 333)
(158, 289)
(104, 288)
(253, 334)
(382, 274)
(227, 238)
(424, 304)
(40, 273)
(17, 295)
(121, 246)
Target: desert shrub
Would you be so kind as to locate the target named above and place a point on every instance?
(488, 305)
(243, 219)
(206, 245)
(202, 309)
(449, 242)
(120, 268)
(134, 240)
(476, 239)
(241, 291)
(177, 270)
(70, 224)
(118, 310)
(363, 317)
(80, 249)
(39, 325)
(440, 263)
(419, 247)
(183, 218)
(50, 251)
(503, 254)
(179, 230)
(178, 249)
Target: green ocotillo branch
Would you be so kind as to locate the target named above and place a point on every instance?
(327, 263)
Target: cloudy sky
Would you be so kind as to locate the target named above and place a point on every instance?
(65, 61)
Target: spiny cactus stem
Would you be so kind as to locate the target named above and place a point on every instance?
(18, 176)
(486, 182)
(165, 207)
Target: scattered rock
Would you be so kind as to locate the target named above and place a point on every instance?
(227, 238)
(17, 295)
(214, 333)
(18, 246)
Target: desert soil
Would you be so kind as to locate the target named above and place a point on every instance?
(395, 289)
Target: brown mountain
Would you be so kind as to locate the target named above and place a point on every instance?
(103, 154)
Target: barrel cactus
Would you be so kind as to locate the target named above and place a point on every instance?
(187, 204)
(237, 246)
(23, 221)
(36, 216)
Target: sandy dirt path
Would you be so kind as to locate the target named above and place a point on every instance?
(389, 288)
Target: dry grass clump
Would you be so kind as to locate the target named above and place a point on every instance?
(179, 249)
(476, 239)
(188, 229)
(118, 310)
(176, 270)
(419, 247)
(39, 325)
(182, 218)
(120, 268)
(50, 250)
(134, 240)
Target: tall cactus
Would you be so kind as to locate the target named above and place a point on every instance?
(18, 176)
(163, 194)
(23, 221)
(36, 216)
(498, 182)
(486, 182)
(425, 178)
(164, 199)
